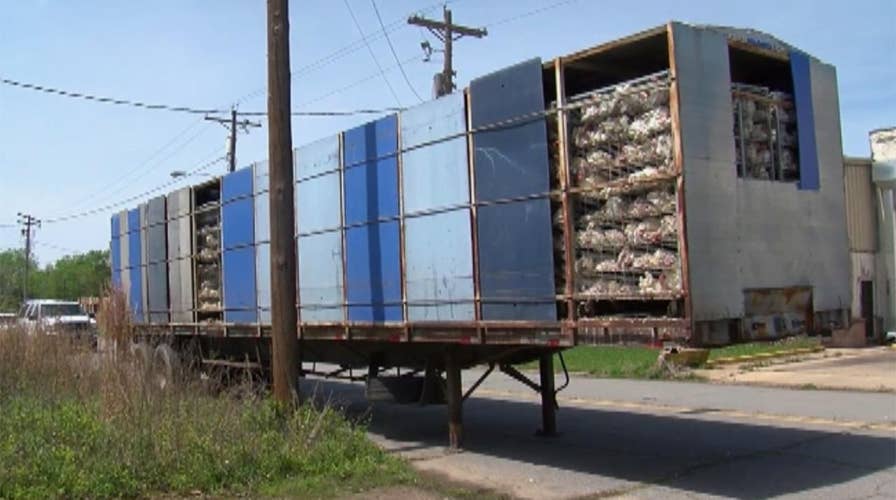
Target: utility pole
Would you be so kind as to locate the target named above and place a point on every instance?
(232, 124)
(448, 33)
(27, 221)
(286, 353)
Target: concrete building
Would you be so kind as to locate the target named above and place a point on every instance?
(883, 175)
(869, 283)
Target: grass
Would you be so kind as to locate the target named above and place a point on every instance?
(641, 362)
(76, 425)
(753, 348)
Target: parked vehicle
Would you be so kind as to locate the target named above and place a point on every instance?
(56, 317)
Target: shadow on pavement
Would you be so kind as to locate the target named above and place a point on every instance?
(700, 456)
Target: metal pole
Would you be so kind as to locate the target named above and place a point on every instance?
(447, 71)
(455, 400)
(233, 140)
(548, 399)
(286, 355)
(27, 256)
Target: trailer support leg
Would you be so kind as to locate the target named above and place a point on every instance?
(548, 397)
(455, 400)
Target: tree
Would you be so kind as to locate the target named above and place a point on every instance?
(69, 278)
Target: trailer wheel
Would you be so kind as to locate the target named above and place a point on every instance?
(141, 357)
(166, 367)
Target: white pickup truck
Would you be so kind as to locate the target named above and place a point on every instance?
(56, 317)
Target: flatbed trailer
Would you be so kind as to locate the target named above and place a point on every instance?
(547, 205)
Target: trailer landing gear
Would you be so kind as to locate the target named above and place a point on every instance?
(455, 400)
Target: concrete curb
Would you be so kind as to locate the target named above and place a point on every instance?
(762, 356)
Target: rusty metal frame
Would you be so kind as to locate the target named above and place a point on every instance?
(565, 186)
(474, 224)
(681, 209)
(402, 258)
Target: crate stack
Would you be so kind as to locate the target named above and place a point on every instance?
(764, 133)
(625, 209)
(208, 259)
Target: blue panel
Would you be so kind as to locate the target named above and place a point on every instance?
(435, 175)
(135, 271)
(116, 226)
(134, 221)
(371, 171)
(373, 273)
(516, 269)
(115, 254)
(320, 277)
(116, 278)
(237, 184)
(510, 161)
(237, 226)
(805, 121)
(239, 286)
(439, 265)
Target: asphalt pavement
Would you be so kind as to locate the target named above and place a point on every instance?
(649, 439)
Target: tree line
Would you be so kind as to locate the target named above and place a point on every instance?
(69, 278)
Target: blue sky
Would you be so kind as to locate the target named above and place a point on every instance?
(59, 156)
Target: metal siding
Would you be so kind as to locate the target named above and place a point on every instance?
(317, 195)
(239, 286)
(124, 242)
(434, 175)
(157, 268)
(318, 204)
(371, 172)
(860, 206)
(115, 253)
(180, 244)
(516, 269)
(263, 282)
(373, 273)
(144, 261)
(237, 227)
(262, 205)
(439, 267)
(703, 79)
(805, 118)
(135, 269)
(237, 184)
(515, 240)
(320, 277)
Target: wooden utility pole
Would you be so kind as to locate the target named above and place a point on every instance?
(286, 350)
(232, 124)
(448, 33)
(27, 221)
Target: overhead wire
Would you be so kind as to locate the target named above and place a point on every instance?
(97, 210)
(107, 100)
(530, 13)
(392, 49)
(370, 50)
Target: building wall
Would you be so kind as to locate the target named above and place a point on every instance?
(745, 233)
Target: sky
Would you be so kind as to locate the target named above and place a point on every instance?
(60, 156)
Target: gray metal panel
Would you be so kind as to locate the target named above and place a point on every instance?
(262, 204)
(318, 193)
(318, 204)
(144, 260)
(320, 277)
(125, 251)
(180, 244)
(439, 267)
(263, 282)
(828, 211)
(710, 177)
(157, 268)
(435, 175)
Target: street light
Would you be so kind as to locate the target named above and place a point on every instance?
(177, 174)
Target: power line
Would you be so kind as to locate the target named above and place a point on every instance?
(530, 13)
(353, 112)
(107, 100)
(370, 50)
(63, 218)
(392, 49)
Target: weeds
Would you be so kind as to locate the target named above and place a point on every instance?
(74, 423)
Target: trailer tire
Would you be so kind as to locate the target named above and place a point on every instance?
(141, 359)
(165, 367)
